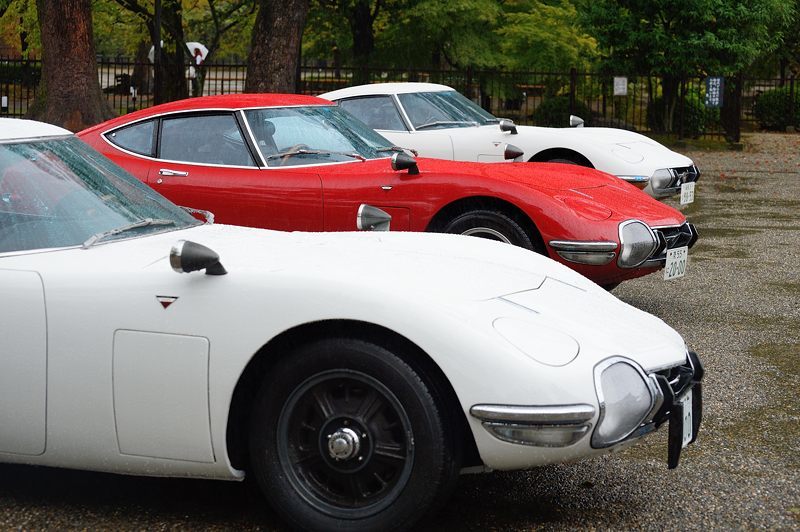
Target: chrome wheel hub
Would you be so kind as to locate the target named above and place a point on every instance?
(343, 444)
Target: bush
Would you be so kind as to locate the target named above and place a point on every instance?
(554, 112)
(773, 109)
(696, 117)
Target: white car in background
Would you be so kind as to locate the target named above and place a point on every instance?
(437, 121)
(354, 375)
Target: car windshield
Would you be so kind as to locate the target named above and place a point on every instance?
(443, 109)
(292, 136)
(59, 192)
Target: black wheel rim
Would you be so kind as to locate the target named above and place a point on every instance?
(345, 443)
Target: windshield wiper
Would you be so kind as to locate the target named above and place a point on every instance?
(97, 237)
(314, 152)
(445, 123)
(397, 149)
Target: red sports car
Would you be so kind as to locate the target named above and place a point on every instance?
(293, 162)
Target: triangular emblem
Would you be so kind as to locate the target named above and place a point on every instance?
(166, 301)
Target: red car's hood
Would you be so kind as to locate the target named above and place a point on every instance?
(594, 194)
(551, 176)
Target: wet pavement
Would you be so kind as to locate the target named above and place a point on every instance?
(738, 306)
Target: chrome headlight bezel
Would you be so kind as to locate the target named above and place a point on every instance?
(650, 392)
(635, 249)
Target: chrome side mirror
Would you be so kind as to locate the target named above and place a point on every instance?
(512, 152)
(507, 125)
(371, 218)
(575, 121)
(403, 161)
(187, 256)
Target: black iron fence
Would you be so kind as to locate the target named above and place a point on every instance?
(536, 98)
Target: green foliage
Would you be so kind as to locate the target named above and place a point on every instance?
(554, 112)
(514, 34)
(544, 36)
(19, 22)
(696, 117)
(683, 37)
(773, 109)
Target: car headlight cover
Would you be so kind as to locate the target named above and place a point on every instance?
(626, 396)
(661, 179)
(638, 242)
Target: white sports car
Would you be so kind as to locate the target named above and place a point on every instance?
(436, 121)
(353, 374)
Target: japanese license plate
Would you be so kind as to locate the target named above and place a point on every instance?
(686, 406)
(687, 193)
(676, 263)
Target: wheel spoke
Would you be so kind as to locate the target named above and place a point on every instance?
(307, 457)
(371, 405)
(391, 452)
(323, 403)
(356, 488)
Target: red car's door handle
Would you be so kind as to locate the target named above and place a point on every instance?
(166, 171)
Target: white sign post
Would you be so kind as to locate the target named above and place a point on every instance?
(620, 86)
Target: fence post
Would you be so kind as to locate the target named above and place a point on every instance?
(792, 105)
(682, 108)
(573, 82)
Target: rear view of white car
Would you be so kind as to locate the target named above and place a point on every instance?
(437, 121)
(354, 375)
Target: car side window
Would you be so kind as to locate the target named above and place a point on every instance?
(205, 139)
(137, 138)
(378, 112)
(421, 110)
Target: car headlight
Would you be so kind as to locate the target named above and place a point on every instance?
(661, 179)
(637, 243)
(627, 397)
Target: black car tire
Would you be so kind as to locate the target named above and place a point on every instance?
(345, 435)
(493, 225)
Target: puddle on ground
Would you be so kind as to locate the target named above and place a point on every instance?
(721, 232)
(775, 426)
(791, 288)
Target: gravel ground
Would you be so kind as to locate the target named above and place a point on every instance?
(738, 306)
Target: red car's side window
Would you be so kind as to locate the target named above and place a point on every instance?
(205, 139)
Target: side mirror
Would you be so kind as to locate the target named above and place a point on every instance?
(575, 121)
(507, 125)
(187, 256)
(512, 152)
(403, 161)
(371, 218)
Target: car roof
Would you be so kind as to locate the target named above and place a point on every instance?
(20, 129)
(229, 102)
(385, 88)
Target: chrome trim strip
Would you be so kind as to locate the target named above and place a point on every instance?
(534, 415)
(573, 433)
(582, 245)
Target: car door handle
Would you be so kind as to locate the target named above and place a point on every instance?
(165, 171)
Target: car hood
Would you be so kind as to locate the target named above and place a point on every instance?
(629, 147)
(451, 266)
(606, 323)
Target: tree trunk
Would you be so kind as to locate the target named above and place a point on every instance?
(174, 54)
(275, 48)
(69, 94)
(360, 18)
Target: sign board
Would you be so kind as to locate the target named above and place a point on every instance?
(620, 86)
(4, 104)
(714, 88)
